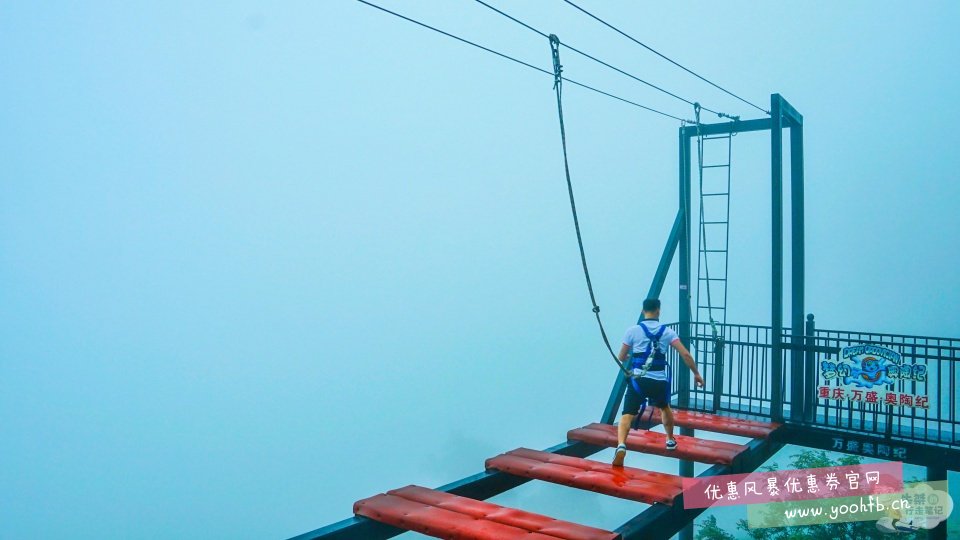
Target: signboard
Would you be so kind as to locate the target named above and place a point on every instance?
(866, 372)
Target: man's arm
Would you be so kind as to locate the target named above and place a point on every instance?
(688, 360)
(624, 352)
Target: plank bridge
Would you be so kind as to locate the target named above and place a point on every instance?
(775, 385)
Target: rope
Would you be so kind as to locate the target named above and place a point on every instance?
(661, 55)
(558, 87)
(521, 62)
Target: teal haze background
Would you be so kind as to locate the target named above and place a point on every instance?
(260, 260)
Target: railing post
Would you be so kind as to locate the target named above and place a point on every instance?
(718, 346)
(888, 428)
(798, 388)
(810, 371)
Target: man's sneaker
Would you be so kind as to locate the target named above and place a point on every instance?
(619, 456)
(671, 444)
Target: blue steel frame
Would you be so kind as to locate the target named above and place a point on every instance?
(660, 521)
(783, 115)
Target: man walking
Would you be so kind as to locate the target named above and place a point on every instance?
(645, 345)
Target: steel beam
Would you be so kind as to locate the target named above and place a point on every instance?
(613, 402)
(661, 522)
(726, 128)
(799, 392)
(789, 113)
(656, 287)
(683, 377)
(776, 250)
(685, 467)
(353, 528)
(480, 486)
(926, 455)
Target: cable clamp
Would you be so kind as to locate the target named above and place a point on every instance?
(735, 118)
(555, 53)
(596, 309)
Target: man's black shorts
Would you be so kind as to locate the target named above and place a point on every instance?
(657, 392)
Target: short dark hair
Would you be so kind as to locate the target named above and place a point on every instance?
(651, 304)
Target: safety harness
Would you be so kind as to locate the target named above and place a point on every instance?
(650, 359)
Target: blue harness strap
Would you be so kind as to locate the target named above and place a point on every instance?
(643, 362)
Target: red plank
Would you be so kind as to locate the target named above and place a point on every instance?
(650, 442)
(442, 515)
(720, 423)
(624, 482)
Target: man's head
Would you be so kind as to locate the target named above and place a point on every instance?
(651, 308)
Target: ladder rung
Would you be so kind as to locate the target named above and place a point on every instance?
(714, 250)
(712, 279)
(714, 194)
(714, 307)
(715, 166)
(715, 222)
(716, 137)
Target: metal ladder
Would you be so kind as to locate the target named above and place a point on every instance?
(714, 231)
(713, 252)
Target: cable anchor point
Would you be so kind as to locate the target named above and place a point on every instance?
(555, 53)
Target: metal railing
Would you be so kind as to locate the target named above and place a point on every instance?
(738, 371)
(936, 423)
